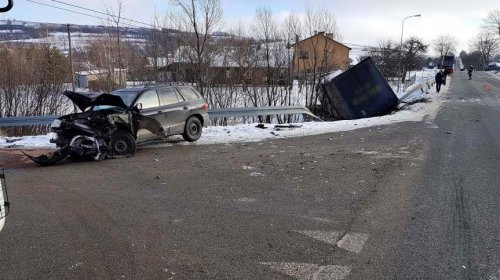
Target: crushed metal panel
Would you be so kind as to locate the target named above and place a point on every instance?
(150, 124)
(84, 100)
(50, 158)
(360, 92)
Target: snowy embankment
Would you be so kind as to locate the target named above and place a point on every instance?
(494, 74)
(251, 133)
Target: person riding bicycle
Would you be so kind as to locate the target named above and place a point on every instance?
(471, 69)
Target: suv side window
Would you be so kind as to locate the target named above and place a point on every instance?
(149, 99)
(168, 96)
(189, 93)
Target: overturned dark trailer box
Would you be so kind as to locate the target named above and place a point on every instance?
(360, 92)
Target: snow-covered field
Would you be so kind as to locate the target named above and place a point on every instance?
(79, 40)
(250, 133)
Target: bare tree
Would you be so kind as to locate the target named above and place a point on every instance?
(445, 45)
(292, 30)
(201, 17)
(317, 20)
(31, 80)
(321, 19)
(492, 21)
(413, 51)
(473, 59)
(486, 43)
(161, 45)
(386, 57)
(265, 29)
(115, 17)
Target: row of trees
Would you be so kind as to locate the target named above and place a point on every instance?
(254, 63)
(485, 45)
(396, 60)
(31, 79)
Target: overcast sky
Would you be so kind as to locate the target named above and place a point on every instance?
(363, 22)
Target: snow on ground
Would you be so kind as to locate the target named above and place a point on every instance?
(421, 76)
(494, 74)
(38, 141)
(250, 133)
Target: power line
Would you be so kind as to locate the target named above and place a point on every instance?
(80, 13)
(48, 5)
(103, 13)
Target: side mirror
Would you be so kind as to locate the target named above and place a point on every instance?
(137, 107)
(10, 4)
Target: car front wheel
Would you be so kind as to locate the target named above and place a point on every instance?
(192, 130)
(122, 144)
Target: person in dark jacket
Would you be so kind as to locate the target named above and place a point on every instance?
(439, 80)
(445, 73)
(471, 69)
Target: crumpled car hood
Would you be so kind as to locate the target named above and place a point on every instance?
(84, 100)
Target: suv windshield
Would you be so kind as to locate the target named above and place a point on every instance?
(128, 95)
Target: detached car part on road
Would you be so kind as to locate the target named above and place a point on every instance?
(109, 124)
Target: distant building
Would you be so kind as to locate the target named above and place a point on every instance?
(319, 53)
(93, 78)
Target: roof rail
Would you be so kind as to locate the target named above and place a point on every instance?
(167, 84)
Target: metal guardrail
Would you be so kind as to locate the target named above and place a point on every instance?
(418, 88)
(27, 121)
(213, 113)
(259, 111)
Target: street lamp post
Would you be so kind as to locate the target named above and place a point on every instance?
(401, 47)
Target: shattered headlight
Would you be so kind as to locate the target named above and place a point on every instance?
(56, 124)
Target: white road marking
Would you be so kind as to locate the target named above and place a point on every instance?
(330, 237)
(308, 271)
(353, 242)
(332, 272)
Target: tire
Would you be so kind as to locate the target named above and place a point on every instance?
(122, 144)
(192, 130)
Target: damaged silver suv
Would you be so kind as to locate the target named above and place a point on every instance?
(109, 124)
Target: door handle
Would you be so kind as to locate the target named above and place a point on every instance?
(185, 107)
(160, 112)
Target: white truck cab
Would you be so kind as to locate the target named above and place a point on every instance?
(4, 201)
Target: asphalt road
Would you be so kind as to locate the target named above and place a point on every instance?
(415, 200)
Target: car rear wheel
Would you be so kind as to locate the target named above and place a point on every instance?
(192, 130)
(122, 144)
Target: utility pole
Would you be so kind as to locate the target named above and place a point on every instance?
(71, 60)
